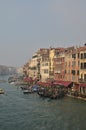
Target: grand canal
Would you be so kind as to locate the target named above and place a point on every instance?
(30, 112)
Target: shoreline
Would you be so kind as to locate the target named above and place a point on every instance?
(76, 97)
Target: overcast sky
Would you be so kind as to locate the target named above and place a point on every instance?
(27, 25)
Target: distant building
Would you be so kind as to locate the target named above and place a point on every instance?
(26, 69)
(20, 70)
(33, 66)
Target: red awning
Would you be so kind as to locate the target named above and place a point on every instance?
(65, 83)
(28, 79)
(82, 85)
(44, 84)
(47, 84)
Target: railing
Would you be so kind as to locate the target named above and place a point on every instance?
(82, 80)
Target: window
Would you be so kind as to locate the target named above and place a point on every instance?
(85, 65)
(74, 56)
(65, 72)
(46, 71)
(77, 72)
(85, 77)
(81, 55)
(73, 72)
(81, 65)
(84, 55)
(81, 76)
(78, 55)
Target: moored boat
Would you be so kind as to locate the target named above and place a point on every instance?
(27, 91)
(53, 91)
(24, 87)
(1, 91)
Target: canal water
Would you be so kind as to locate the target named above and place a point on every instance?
(20, 111)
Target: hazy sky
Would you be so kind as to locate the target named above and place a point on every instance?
(27, 25)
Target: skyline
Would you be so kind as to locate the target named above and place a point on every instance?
(26, 26)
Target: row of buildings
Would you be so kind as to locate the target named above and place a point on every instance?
(66, 64)
(61, 64)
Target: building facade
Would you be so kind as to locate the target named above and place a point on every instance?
(33, 66)
(59, 64)
(43, 64)
(72, 64)
(51, 62)
(82, 76)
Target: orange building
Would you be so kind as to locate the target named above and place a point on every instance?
(72, 64)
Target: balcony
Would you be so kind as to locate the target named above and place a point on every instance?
(57, 71)
(82, 80)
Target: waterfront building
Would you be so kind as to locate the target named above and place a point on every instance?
(26, 69)
(33, 66)
(75, 65)
(38, 65)
(59, 64)
(67, 66)
(68, 63)
(75, 60)
(51, 62)
(45, 68)
(43, 62)
(20, 70)
(72, 64)
(82, 75)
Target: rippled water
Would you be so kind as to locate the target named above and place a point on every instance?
(30, 112)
